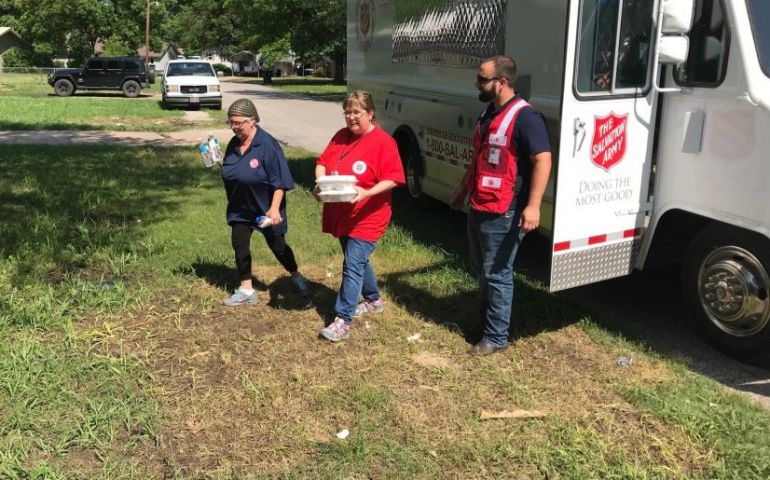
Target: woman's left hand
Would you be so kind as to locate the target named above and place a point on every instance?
(274, 215)
(362, 194)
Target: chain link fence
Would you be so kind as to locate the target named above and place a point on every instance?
(37, 70)
(459, 32)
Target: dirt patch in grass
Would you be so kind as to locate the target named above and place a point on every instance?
(252, 390)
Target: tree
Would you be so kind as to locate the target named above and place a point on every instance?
(314, 26)
(200, 25)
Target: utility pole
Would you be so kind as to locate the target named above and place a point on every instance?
(147, 35)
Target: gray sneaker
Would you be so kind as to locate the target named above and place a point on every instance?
(338, 330)
(367, 306)
(240, 298)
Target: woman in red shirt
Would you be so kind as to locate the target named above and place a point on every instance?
(365, 150)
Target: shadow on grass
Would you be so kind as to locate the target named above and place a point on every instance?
(283, 295)
(66, 203)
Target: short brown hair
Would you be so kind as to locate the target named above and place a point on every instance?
(505, 67)
(361, 98)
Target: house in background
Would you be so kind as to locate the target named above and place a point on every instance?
(244, 63)
(8, 39)
(160, 59)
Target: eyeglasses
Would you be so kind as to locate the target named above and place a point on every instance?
(353, 114)
(484, 80)
(233, 124)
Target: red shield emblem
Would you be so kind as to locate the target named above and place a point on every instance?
(363, 19)
(609, 144)
(365, 23)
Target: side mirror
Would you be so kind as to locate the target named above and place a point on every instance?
(677, 16)
(672, 50)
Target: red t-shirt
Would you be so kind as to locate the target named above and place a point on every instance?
(372, 158)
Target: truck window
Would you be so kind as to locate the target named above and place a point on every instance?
(132, 65)
(612, 59)
(113, 64)
(759, 13)
(709, 41)
(95, 64)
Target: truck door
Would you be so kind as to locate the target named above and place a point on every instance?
(94, 73)
(607, 127)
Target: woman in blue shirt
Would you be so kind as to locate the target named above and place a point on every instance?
(256, 178)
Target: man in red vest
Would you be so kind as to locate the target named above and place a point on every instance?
(504, 186)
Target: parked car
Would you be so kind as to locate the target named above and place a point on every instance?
(191, 82)
(128, 74)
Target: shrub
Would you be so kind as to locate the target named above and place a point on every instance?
(320, 72)
(221, 67)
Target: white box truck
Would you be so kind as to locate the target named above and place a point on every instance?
(659, 115)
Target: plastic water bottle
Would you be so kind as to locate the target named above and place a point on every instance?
(203, 149)
(214, 150)
(263, 221)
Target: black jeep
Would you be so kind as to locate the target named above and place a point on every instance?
(99, 73)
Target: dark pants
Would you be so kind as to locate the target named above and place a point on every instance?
(494, 240)
(241, 240)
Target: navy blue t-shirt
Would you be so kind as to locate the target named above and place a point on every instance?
(530, 137)
(252, 178)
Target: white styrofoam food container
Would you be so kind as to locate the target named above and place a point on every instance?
(336, 188)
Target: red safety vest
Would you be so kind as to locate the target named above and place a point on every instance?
(491, 185)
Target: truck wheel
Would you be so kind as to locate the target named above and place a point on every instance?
(151, 73)
(726, 281)
(131, 89)
(413, 170)
(63, 87)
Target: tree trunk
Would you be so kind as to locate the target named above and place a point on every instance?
(339, 66)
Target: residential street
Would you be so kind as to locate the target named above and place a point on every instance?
(644, 306)
(296, 120)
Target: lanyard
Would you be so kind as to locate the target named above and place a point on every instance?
(345, 154)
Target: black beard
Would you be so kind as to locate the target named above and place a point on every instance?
(486, 96)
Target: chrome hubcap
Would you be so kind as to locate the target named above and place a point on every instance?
(733, 289)
(413, 180)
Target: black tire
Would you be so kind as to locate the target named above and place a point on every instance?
(726, 284)
(414, 171)
(63, 87)
(151, 73)
(218, 106)
(131, 89)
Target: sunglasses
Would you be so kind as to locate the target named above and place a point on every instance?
(484, 80)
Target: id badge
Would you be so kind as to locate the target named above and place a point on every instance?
(493, 157)
(498, 140)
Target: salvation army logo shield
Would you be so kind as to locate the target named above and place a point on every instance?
(254, 163)
(609, 144)
(365, 23)
(359, 167)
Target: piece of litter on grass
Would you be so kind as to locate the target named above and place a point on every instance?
(413, 338)
(343, 434)
(487, 415)
(433, 453)
(366, 324)
(623, 361)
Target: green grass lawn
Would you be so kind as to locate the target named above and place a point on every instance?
(117, 360)
(27, 102)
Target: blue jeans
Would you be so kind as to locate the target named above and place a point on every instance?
(493, 241)
(357, 277)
